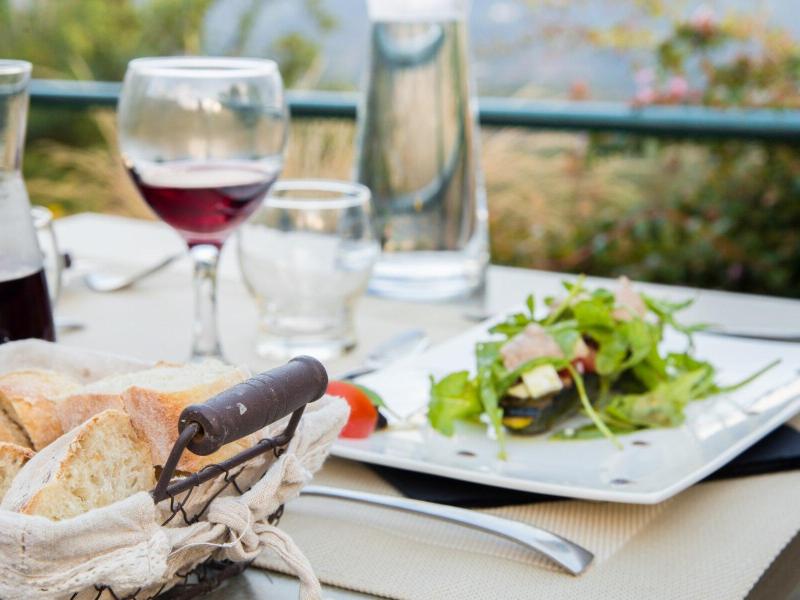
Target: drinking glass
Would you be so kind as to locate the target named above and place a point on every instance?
(306, 256)
(51, 255)
(203, 140)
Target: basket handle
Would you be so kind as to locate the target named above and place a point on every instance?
(253, 404)
(239, 411)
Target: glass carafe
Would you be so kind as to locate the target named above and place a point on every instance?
(25, 310)
(418, 151)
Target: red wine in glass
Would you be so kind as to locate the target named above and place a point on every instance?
(204, 201)
(25, 310)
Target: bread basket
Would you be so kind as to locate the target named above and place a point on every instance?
(192, 531)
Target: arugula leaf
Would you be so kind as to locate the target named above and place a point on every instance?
(641, 340)
(566, 338)
(491, 406)
(665, 311)
(590, 432)
(594, 315)
(663, 405)
(487, 353)
(530, 302)
(512, 325)
(377, 401)
(587, 406)
(611, 354)
(373, 396)
(715, 389)
(452, 398)
(680, 363)
(652, 370)
(574, 290)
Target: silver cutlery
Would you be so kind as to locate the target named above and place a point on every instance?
(769, 334)
(67, 325)
(765, 334)
(476, 314)
(110, 282)
(569, 555)
(403, 344)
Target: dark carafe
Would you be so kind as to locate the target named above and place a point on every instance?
(25, 310)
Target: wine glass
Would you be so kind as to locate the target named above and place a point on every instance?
(203, 140)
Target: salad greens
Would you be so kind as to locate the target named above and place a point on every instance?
(611, 339)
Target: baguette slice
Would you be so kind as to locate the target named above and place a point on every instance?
(102, 461)
(12, 457)
(155, 405)
(104, 394)
(11, 432)
(29, 399)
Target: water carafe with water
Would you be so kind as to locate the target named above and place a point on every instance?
(418, 151)
(25, 309)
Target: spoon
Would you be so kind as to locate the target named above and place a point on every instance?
(403, 344)
(108, 282)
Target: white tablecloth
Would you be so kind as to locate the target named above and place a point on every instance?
(713, 541)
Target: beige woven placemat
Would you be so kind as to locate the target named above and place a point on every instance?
(713, 541)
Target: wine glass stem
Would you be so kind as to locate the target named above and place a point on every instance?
(205, 342)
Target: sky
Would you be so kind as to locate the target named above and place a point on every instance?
(510, 45)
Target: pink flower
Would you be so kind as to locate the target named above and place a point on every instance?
(644, 96)
(644, 78)
(678, 88)
(703, 20)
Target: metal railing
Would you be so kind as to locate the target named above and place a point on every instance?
(665, 121)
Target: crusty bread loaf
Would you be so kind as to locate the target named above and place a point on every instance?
(29, 398)
(155, 405)
(102, 461)
(104, 394)
(12, 457)
(11, 432)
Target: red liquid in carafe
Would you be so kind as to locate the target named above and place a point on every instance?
(25, 310)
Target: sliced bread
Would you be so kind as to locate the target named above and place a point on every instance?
(102, 461)
(106, 393)
(155, 405)
(12, 457)
(29, 398)
(11, 432)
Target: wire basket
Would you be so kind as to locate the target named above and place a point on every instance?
(235, 413)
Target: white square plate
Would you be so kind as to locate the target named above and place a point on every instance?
(652, 466)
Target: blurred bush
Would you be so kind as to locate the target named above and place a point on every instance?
(71, 160)
(707, 213)
(722, 214)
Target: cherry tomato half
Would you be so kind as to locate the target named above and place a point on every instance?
(363, 415)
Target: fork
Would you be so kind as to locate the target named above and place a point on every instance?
(568, 555)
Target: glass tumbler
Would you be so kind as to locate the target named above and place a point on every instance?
(306, 256)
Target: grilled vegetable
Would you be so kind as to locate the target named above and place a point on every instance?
(531, 416)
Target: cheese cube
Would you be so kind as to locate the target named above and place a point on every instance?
(542, 380)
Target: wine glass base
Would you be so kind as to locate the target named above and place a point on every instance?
(321, 348)
(215, 354)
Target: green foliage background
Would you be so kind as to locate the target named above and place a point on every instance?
(710, 213)
(70, 161)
